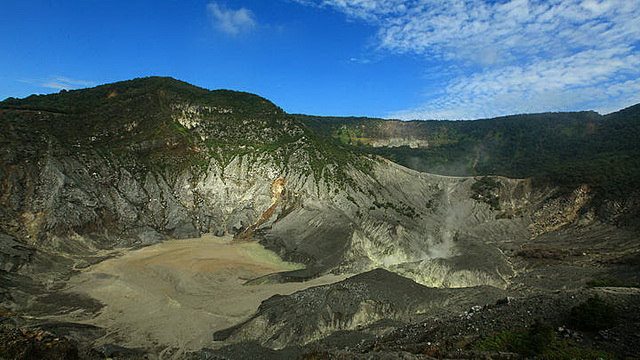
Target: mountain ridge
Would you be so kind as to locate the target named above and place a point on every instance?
(567, 149)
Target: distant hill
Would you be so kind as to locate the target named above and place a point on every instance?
(564, 149)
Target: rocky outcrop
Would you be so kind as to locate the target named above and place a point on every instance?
(353, 304)
(397, 142)
(557, 212)
(13, 254)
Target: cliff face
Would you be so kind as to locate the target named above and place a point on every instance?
(429, 228)
(387, 217)
(397, 142)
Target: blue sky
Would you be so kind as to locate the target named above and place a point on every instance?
(428, 59)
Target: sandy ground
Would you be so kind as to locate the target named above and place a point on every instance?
(176, 294)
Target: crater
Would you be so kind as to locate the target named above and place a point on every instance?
(178, 293)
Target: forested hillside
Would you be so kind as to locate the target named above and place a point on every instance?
(565, 149)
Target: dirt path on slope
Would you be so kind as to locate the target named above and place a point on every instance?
(176, 294)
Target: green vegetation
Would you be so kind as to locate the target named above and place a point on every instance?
(593, 314)
(487, 190)
(140, 122)
(402, 208)
(562, 149)
(533, 341)
(539, 341)
(168, 125)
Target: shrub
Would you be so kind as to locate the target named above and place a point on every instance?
(537, 340)
(593, 314)
(530, 342)
(486, 189)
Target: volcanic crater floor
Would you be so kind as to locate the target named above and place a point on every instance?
(178, 293)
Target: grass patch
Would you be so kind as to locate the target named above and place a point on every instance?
(533, 341)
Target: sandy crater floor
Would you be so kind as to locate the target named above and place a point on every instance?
(176, 294)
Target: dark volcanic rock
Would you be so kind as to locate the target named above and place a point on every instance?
(13, 254)
(295, 239)
(109, 351)
(35, 345)
(81, 333)
(353, 304)
(447, 336)
(245, 351)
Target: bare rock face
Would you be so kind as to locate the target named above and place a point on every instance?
(397, 142)
(558, 212)
(13, 254)
(427, 227)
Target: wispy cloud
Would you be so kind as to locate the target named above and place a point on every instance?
(600, 79)
(355, 60)
(515, 55)
(59, 83)
(229, 21)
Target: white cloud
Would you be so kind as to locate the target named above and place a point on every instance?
(59, 83)
(459, 29)
(355, 60)
(231, 22)
(515, 55)
(601, 80)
